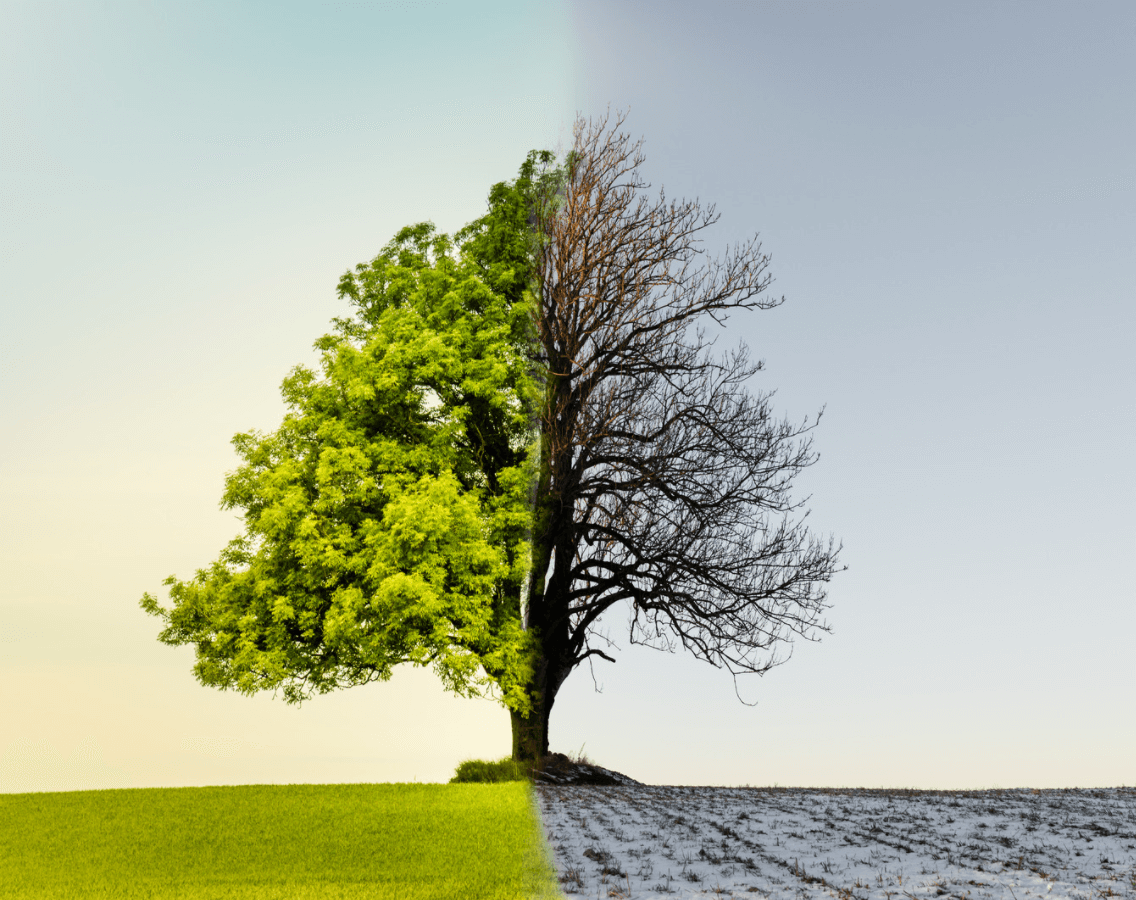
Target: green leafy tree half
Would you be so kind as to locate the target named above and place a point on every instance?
(388, 518)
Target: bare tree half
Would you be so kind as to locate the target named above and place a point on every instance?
(664, 481)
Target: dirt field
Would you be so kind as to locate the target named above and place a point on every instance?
(678, 842)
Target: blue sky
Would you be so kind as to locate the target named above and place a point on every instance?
(948, 198)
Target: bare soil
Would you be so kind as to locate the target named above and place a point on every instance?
(556, 768)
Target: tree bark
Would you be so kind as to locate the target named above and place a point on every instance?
(530, 733)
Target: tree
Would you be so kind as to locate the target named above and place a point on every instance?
(663, 482)
(519, 429)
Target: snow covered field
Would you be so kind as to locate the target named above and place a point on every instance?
(679, 842)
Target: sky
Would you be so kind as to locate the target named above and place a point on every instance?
(947, 194)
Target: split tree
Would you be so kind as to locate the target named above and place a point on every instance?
(518, 430)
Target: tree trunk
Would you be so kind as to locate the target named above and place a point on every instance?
(546, 608)
(530, 733)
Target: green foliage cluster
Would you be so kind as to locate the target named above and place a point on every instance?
(480, 771)
(387, 520)
(276, 842)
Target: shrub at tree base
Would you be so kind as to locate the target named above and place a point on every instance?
(555, 768)
(483, 771)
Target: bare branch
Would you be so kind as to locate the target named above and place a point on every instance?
(668, 481)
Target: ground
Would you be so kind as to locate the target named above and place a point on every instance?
(638, 841)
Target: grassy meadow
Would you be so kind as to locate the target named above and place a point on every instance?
(255, 842)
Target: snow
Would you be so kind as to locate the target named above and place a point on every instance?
(673, 843)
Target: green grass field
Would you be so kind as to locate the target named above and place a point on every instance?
(293, 842)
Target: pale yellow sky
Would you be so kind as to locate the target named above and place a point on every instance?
(185, 186)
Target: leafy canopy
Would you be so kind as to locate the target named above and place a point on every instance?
(387, 519)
